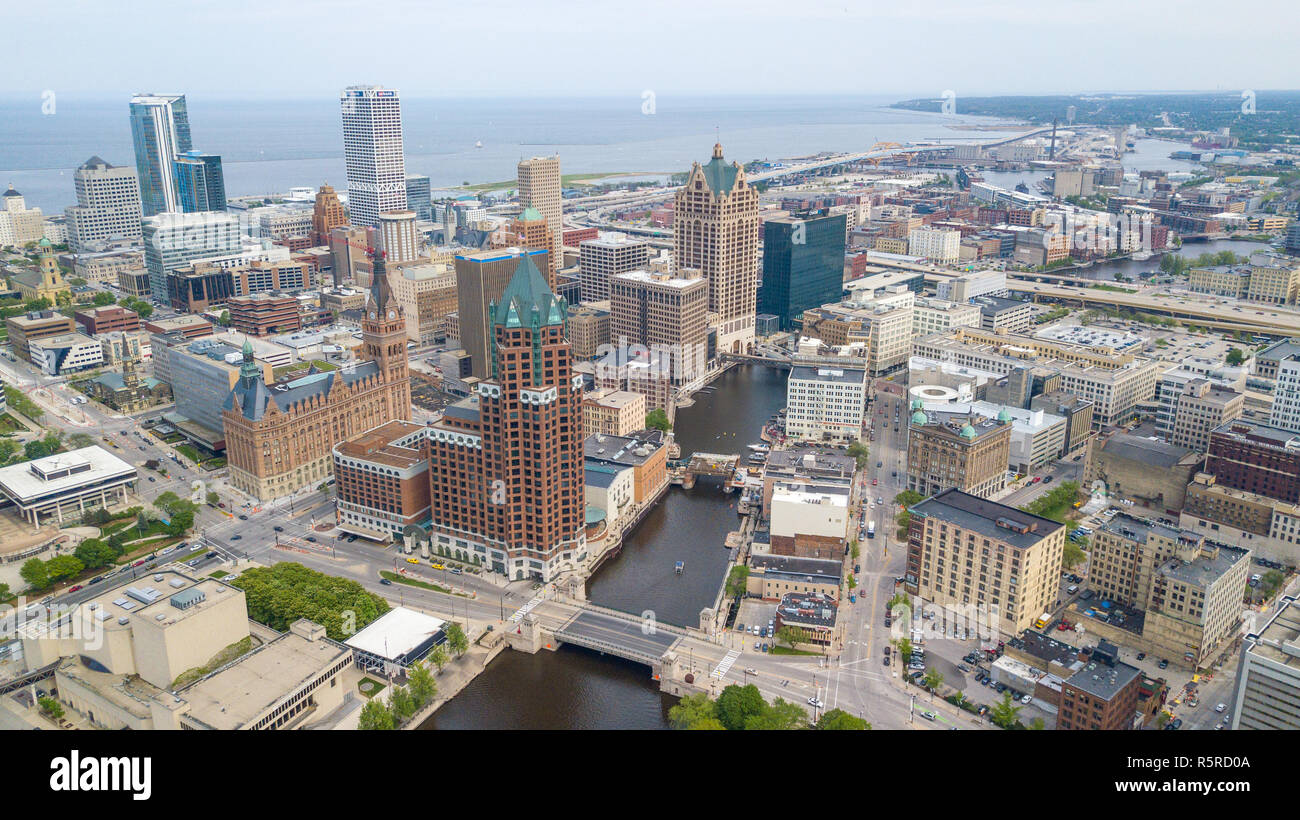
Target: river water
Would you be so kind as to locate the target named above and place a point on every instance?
(578, 689)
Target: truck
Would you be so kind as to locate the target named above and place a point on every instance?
(1043, 620)
(871, 529)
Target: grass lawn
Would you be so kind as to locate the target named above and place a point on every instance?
(785, 650)
(370, 687)
(411, 582)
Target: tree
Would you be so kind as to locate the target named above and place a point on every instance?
(401, 703)
(213, 498)
(456, 639)
(781, 716)
(860, 452)
(905, 649)
(423, 687)
(737, 704)
(708, 724)
(8, 449)
(1003, 714)
(1072, 555)
(102, 299)
(224, 318)
(438, 656)
(4, 592)
(38, 304)
(1235, 356)
(94, 553)
(281, 594)
(737, 580)
(375, 716)
(657, 419)
(78, 440)
(840, 720)
(51, 707)
(35, 573)
(791, 635)
(933, 679)
(1037, 724)
(692, 710)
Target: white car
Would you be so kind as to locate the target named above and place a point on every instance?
(1221, 707)
(1027, 699)
(815, 703)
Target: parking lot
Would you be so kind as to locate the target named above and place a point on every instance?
(755, 613)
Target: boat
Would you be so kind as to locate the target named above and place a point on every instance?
(478, 144)
(1142, 256)
(762, 448)
(681, 566)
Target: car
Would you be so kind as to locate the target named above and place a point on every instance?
(1164, 664)
(412, 560)
(1221, 707)
(1048, 480)
(456, 571)
(311, 539)
(76, 588)
(815, 703)
(888, 622)
(437, 566)
(740, 627)
(138, 563)
(351, 538)
(236, 537)
(1087, 595)
(929, 715)
(151, 478)
(757, 644)
(874, 482)
(879, 464)
(1001, 687)
(749, 670)
(1027, 699)
(1073, 588)
(1175, 724)
(221, 504)
(884, 661)
(982, 711)
(879, 501)
(211, 554)
(385, 582)
(243, 517)
(963, 668)
(278, 528)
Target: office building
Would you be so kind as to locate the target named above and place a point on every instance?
(505, 465)
(66, 353)
(965, 450)
(588, 329)
(160, 132)
(529, 230)
(1077, 413)
(998, 314)
(373, 153)
(1257, 458)
(936, 245)
(382, 481)
(803, 265)
(940, 316)
(825, 403)
(962, 549)
(29, 327)
(419, 196)
(18, 223)
(279, 438)
(200, 182)
(1266, 693)
(666, 313)
(67, 484)
(399, 237)
(1285, 412)
(108, 206)
(1199, 408)
(606, 257)
(481, 278)
(326, 215)
(261, 314)
(206, 370)
(107, 319)
(715, 231)
(540, 188)
(809, 520)
(172, 240)
(612, 413)
(427, 294)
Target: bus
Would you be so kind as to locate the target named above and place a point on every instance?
(871, 529)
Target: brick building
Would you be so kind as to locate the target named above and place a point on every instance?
(381, 480)
(264, 315)
(107, 319)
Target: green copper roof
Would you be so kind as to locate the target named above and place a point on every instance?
(719, 176)
(530, 214)
(919, 417)
(526, 293)
(917, 404)
(1003, 415)
(968, 432)
(45, 242)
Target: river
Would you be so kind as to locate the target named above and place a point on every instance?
(577, 689)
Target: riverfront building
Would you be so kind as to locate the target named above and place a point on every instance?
(666, 313)
(505, 465)
(803, 265)
(825, 404)
(601, 259)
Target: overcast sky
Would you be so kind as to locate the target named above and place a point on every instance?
(277, 48)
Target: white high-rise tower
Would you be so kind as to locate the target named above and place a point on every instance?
(372, 150)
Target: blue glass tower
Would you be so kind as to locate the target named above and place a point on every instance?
(160, 131)
(200, 184)
(803, 265)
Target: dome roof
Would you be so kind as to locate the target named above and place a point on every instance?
(918, 404)
(1004, 415)
(919, 417)
(967, 431)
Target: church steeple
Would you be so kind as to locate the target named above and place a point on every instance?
(383, 336)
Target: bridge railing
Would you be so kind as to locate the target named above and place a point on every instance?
(599, 645)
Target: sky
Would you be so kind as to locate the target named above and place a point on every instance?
(554, 48)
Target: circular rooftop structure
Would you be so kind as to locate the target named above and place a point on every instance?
(924, 394)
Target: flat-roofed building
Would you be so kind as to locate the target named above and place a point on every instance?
(612, 412)
(666, 313)
(1154, 474)
(1077, 413)
(1102, 695)
(1200, 408)
(940, 315)
(588, 329)
(962, 549)
(381, 481)
(999, 314)
(772, 577)
(25, 329)
(59, 484)
(809, 520)
(1274, 280)
(825, 403)
(427, 294)
(605, 257)
(481, 279)
(882, 323)
(107, 319)
(1257, 458)
(1267, 687)
(192, 327)
(65, 353)
(262, 314)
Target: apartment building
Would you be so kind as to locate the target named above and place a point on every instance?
(381, 481)
(963, 549)
(936, 245)
(1267, 687)
(941, 315)
(601, 259)
(825, 404)
(1199, 408)
(612, 412)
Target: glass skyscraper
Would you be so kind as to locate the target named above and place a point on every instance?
(200, 184)
(803, 265)
(160, 131)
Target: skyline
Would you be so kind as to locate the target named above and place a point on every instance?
(1014, 48)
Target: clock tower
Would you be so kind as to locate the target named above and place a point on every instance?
(383, 337)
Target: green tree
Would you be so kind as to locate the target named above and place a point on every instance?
(423, 687)
(905, 649)
(213, 498)
(1004, 712)
(1235, 356)
(1037, 724)
(933, 679)
(791, 635)
(94, 553)
(64, 566)
(840, 720)
(737, 704)
(1072, 555)
(861, 453)
(78, 440)
(38, 304)
(376, 716)
(456, 639)
(657, 419)
(8, 450)
(224, 318)
(708, 724)
(4, 592)
(102, 299)
(438, 656)
(402, 704)
(51, 707)
(691, 710)
(35, 573)
(781, 716)
(281, 594)
(737, 580)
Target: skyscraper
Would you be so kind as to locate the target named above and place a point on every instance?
(481, 278)
(715, 230)
(803, 265)
(539, 186)
(160, 131)
(171, 240)
(505, 465)
(200, 183)
(419, 196)
(108, 205)
(327, 215)
(372, 151)
(401, 241)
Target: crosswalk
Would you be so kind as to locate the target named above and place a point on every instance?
(525, 609)
(724, 665)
